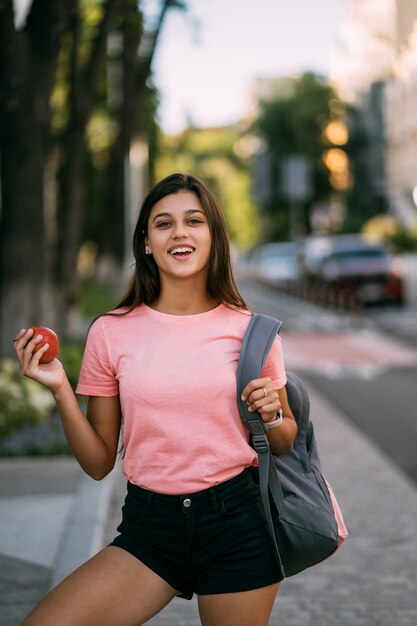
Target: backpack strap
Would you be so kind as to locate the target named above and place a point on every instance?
(257, 342)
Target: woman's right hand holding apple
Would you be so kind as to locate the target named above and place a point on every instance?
(51, 375)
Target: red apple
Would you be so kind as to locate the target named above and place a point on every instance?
(48, 336)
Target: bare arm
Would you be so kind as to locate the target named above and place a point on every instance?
(93, 439)
(268, 403)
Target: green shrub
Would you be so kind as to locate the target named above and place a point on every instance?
(403, 241)
(97, 298)
(23, 402)
(70, 355)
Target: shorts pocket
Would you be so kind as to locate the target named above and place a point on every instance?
(133, 514)
(248, 499)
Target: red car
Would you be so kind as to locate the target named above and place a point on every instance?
(350, 269)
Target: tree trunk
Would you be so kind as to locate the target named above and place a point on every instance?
(23, 276)
(136, 70)
(30, 58)
(83, 92)
(113, 242)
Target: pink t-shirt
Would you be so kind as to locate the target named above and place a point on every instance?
(176, 378)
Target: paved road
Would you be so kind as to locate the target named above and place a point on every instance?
(401, 322)
(384, 408)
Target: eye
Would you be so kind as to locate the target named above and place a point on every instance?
(195, 220)
(163, 224)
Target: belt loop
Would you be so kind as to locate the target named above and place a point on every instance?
(214, 498)
(150, 501)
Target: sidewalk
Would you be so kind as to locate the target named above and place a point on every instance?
(53, 517)
(51, 520)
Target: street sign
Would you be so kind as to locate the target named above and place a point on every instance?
(296, 178)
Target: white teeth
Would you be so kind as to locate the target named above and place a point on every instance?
(181, 250)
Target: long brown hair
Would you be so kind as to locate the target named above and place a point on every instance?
(145, 286)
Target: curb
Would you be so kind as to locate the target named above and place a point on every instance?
(82, 534)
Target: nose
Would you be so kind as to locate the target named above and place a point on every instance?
(179, 232)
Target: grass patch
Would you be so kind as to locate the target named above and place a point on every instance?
(96, 298)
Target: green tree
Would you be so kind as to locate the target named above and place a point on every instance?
(213, 155)
(362, 199)
(28, 60)
(53, 83)
(292, 124)
(86, 55)
(133, 112)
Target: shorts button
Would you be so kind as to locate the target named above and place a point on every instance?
(186, 503)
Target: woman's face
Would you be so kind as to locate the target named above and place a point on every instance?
(179, 236)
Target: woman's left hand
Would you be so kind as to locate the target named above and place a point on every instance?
(261, 395)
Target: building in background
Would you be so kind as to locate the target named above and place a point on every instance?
(366, 48)
(375, 69)
(264, 177)
(401, 117)
(263, 88)
(362, 64)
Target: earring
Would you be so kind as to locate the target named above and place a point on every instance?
(147, 251)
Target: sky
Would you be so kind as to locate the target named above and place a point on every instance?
(204, 74)
(209, 56)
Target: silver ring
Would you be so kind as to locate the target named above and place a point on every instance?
(265, 391)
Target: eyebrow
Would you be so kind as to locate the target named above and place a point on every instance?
(188, 212)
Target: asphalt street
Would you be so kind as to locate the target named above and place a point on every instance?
(384, 408)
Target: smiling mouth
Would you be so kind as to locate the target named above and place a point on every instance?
(181, 251)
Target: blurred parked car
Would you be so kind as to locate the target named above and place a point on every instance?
(350, 269)
(275, 264)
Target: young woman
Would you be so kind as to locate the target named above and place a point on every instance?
(164, 365)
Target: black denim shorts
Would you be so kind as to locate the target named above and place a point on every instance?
(209, 542)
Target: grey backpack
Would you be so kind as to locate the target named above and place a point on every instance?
(302, 514)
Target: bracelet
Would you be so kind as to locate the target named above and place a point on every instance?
(277, 421)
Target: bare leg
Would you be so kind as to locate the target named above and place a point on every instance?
(112, 589)
(246, 608)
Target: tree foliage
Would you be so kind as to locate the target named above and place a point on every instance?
(292, 124)
(66, 119)
(212, 154)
